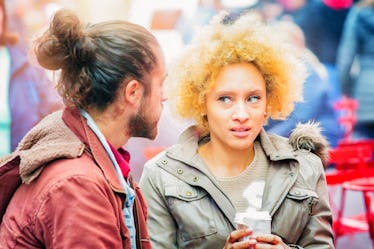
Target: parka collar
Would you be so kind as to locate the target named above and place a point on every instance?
(305, 136)
(275, 147)
(186, 149)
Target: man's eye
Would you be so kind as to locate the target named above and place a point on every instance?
(253, 99)
(224, 99)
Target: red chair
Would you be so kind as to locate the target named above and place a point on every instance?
(353, 171)
(354, 156)
(359, 223)
(350, 162)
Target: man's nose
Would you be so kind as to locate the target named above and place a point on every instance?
(163, 97)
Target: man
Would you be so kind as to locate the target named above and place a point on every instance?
(77, 190)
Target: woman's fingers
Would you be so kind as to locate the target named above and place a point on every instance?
(236, 235)
(269, 238)
(240, 239)
(270, 241)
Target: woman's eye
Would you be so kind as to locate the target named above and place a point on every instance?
(253, 99)
(224, 99)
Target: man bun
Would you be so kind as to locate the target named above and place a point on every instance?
(57, 49)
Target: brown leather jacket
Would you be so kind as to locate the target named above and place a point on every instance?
(59, 189)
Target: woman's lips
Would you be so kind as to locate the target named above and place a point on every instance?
(240, 131)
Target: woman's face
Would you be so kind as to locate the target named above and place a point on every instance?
(236, 106)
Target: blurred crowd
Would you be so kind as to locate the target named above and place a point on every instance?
(336, 38)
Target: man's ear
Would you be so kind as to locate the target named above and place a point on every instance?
(133, 92)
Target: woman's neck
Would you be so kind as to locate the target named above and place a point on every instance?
(223, 162)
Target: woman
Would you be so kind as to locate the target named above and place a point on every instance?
(71, 169)
(233, 77)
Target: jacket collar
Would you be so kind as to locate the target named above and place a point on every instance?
(47, 141)
(78, 125)
(63, 134)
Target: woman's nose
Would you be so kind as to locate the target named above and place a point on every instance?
(240, 112)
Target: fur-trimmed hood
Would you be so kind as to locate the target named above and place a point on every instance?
(308, 136)
(305, 136)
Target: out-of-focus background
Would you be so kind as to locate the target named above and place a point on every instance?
(314, 25)
(318, 27)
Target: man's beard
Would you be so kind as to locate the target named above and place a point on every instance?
(140, 126)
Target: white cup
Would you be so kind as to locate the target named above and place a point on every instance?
(258, 221)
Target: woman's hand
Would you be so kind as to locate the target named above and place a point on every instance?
(233, 241)
(269, 241)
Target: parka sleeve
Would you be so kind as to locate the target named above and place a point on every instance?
(161, 225)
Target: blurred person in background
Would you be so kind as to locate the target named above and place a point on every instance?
(68, 184)
(318, 102)
(355, 65)
(229, 80)
(205, 10)
(26, 93)
(322, 23)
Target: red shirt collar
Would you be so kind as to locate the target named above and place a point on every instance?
(122, 157)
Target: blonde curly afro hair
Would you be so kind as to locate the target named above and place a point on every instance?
(248, 39)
